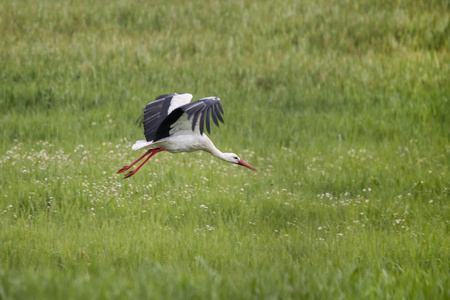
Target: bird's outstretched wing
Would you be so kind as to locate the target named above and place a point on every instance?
(155, 112)
(204, 109)
(206, 106)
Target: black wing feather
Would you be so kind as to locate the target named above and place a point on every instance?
(202, 121)
(202, 108)
(194, 121)
(155, 113)
(216, 110)
(220, 107)
(207, 119)
(194, 112)
(213, 116)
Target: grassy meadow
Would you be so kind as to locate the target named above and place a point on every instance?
(343, 106)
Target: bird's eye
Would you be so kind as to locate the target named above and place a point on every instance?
(237, 158)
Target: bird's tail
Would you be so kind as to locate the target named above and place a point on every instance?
(141, 144)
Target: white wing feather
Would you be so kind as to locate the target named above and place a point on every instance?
(179, 100)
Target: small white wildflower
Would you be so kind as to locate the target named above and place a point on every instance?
(320, 228)
(340, 234)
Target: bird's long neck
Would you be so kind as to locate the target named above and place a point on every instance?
(214, 151)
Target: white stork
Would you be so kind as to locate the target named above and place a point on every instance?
(168, 126)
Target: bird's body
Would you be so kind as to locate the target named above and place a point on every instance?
(172, 123)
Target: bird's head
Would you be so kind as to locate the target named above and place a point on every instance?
(233, 158)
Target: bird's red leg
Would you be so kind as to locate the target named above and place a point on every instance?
(129, 166)
(154, 151)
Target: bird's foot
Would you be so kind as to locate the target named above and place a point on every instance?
(123, 169)
(129, 174)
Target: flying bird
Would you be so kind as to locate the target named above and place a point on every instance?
(175, 124)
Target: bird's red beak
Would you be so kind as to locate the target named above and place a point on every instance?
(243, 163)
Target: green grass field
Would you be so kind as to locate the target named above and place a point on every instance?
(342, 105)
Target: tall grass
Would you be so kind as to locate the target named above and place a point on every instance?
(342, 106)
